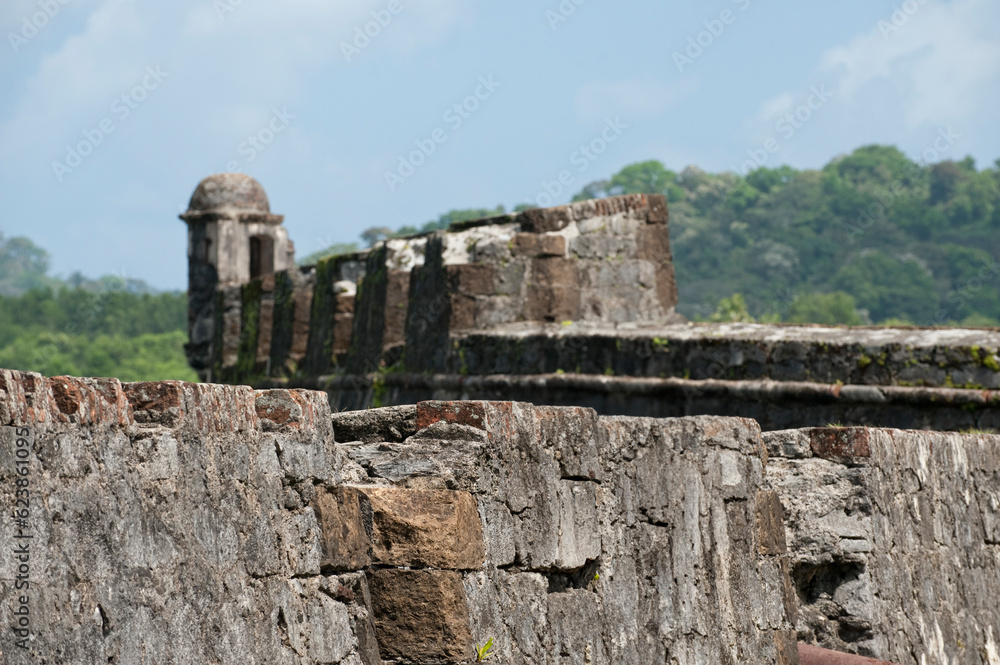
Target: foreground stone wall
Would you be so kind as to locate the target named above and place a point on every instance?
(180, 523)
(607, 540)
(894, 539)
(170, 523)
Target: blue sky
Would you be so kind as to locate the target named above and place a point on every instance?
(163, 94)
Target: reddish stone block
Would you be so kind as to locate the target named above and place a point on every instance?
(421, 616)
(846, 445)
(153, 396)
(65, 394)
(472, 414)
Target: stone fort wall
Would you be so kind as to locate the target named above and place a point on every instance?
(180, 523)
(571, 305)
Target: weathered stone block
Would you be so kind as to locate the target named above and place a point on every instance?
(552, 303)
(847, 445)
(770, 524)
(344, 519)
(545, 220)
(425, 529)
(472, 414)
(421, 616)
(554, 271)
(538, 244)
(658, 213)
(470, 279)
(463, 313)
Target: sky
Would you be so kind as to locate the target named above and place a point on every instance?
(361, 113)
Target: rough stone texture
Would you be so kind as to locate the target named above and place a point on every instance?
(180, 523)
(607, 540)
(913, 357)
(894, 538)
(580, 262)
(421, 616)
(774, 404)
(425, 529)
(169, 525)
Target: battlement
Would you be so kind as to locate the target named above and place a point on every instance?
(596, 261)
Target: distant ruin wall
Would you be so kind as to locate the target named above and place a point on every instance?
(604, 261)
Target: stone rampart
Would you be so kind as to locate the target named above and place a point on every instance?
(894, 539)
(604, 261)
(183, 523)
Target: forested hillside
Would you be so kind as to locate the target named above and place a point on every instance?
(901, 242)
(105, 327)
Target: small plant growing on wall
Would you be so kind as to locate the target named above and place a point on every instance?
(483, 652)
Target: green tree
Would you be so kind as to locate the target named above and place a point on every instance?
(828, 308)
(889, 287)
(23, 266)
(732, 310)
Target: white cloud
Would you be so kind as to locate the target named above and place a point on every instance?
(939, 62)
(227, 68)
(636, 99)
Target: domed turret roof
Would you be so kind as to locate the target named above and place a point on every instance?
(229, 191)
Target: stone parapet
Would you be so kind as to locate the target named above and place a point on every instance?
(182, 523)
(894, 540)
(597, 261)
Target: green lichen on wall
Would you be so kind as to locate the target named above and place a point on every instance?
(985, 357)
(246, 362)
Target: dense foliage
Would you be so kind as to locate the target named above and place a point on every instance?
(106, 327)
(872, 236)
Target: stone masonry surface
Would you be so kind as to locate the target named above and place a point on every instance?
(894, 538)
(183, 523)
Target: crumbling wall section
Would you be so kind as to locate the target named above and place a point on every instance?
(894, 539)
(602, 261)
